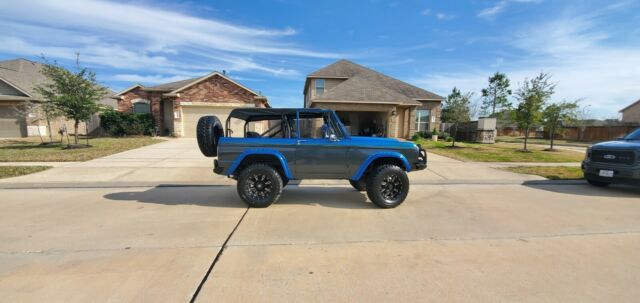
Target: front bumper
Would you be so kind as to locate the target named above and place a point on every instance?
(422, 159)
(628, 174)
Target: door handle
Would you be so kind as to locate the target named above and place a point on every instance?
(301, 141)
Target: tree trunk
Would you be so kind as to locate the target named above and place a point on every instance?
(552, 134)
(75, 131)
(49, 129)
(453, 143)
(40, 133)
(526, 137)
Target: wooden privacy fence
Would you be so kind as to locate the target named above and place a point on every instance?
(589, 133)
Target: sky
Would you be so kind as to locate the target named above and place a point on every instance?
(591, 48)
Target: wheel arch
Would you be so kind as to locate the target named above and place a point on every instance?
(268, 156)
(377, 159)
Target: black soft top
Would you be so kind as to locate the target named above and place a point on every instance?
(254, 114)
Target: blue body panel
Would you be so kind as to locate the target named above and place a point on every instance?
(363, 167)
(260, 151)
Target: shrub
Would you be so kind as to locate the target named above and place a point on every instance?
(116, 123)
(416, 137)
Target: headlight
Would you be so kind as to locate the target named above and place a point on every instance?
(587, 155)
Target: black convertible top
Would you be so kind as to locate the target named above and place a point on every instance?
(254, 114)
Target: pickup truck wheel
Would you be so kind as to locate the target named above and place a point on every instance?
(598, 183)
(359, 185)
(388, 186)
(208, 132)
(259, 185)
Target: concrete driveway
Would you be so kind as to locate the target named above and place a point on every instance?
(466, 233)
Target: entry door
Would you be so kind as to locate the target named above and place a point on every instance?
(316, 155)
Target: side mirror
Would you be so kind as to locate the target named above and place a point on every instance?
(333, 138)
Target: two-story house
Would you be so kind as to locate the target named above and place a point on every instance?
(631, 113)
(370, 103)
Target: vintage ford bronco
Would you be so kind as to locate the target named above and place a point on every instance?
(279, 145)
(614, 161)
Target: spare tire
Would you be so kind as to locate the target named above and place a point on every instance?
(209, 131)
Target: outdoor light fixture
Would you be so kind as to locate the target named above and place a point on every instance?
(393, 113)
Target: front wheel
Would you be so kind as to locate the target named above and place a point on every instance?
(259, 185)
(388, 186)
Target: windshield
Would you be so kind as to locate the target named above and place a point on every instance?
(634, 135)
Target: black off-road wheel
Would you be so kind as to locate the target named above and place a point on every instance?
(359, 185)
(208, 132)
(259, 185)
(598, 183)
(387, 186)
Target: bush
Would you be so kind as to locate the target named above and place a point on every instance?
(116, 123)
(416, 137)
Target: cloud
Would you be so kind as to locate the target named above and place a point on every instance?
(499, 7)
(575, 50)
(437, 15)
(134, 37)
(443, 16)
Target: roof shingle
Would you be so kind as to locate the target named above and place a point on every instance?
(369, 85)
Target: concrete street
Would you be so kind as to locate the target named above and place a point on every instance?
(150, 224)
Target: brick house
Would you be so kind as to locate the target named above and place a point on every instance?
(369, 102)
(177, 106)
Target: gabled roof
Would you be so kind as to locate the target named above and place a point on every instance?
(172, 88)
(368, 82)
(25, 76)
(360, 89)
(630, 106)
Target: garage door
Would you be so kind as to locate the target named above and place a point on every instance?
(10, 125)
(191, 114)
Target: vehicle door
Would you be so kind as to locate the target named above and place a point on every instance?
(321, 151)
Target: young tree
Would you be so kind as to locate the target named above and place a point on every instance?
(456, 110)
(495, 96)
(557, 113)
(75, 94)
(532, 96)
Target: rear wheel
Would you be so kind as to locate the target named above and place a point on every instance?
(598, 183)
(208, 132)
(359, 185)
(388, 186)
(259, 185)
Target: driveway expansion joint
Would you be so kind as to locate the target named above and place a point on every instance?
(217, 258)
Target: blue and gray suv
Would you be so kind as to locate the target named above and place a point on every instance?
(265, 148)
(614, 161)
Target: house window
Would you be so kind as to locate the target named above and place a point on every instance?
(319, 87)
(141, 106)
(422, 120)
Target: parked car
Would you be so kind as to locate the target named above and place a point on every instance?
(615, 161)
(276, 146)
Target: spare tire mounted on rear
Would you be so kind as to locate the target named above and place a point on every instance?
(209, 131)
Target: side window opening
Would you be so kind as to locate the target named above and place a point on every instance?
(316, 126)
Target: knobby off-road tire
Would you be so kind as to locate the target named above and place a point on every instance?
(208, 132)
(259, 185)
(387, 186)
(360, 185)
(598, 183)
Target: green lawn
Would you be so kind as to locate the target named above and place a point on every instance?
(499, 152)
(30, 149)
(14, 171)
(507, 139)
(549, 172)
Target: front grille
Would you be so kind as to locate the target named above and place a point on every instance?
(609, 156)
